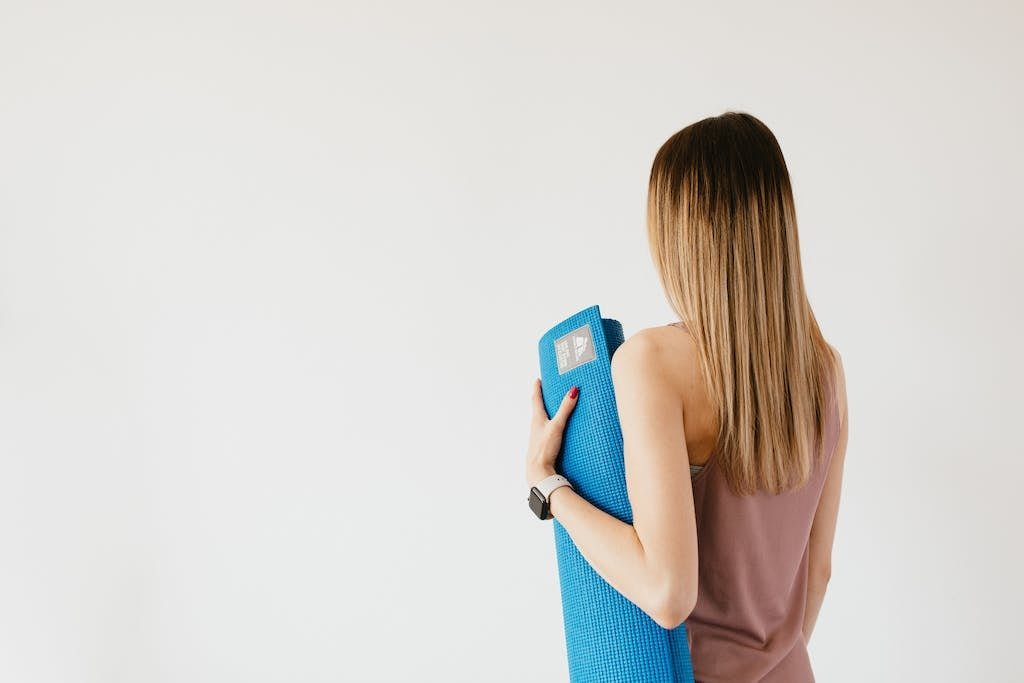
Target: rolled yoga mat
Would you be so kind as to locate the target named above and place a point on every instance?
(608, 638)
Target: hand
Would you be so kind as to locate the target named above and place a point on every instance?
(546, 435)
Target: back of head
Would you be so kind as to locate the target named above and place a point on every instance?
(723, 236)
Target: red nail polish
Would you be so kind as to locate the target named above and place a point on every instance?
(574, 392)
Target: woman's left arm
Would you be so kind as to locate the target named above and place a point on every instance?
(653, 561)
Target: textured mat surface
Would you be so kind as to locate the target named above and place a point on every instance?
(608, 638)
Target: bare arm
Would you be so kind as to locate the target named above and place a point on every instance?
(823, 529)
(652, 562)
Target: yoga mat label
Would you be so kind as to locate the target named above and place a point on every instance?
(574, 349)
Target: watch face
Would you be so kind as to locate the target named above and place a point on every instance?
(537, 502)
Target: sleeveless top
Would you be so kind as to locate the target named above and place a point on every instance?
(747, 623)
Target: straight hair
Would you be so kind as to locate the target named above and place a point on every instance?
(722, 231)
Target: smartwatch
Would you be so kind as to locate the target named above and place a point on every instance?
(539, 493)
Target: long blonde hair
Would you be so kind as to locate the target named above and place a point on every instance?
(723, 236)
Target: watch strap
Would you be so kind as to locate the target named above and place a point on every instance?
(550, 483)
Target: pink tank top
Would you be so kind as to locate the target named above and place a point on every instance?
(747, 624)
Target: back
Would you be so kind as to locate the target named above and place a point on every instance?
(747, 624)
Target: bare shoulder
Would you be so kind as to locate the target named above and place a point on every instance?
(652, 351)
(840, 378)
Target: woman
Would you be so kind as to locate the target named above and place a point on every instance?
(733, 418)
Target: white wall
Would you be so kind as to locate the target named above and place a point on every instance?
(272, 277)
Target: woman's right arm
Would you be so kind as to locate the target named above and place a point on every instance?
(823, 529)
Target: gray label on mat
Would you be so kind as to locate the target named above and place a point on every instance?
(574, 349)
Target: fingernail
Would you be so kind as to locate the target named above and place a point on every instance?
(574, 392)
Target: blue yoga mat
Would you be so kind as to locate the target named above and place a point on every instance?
(608, 638)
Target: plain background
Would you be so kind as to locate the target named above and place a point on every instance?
(272, 277)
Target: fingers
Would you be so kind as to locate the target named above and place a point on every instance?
(568, 403)
(539, 411)
(561, 416)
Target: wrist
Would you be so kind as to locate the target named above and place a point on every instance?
(538, 474)
(555, 494)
